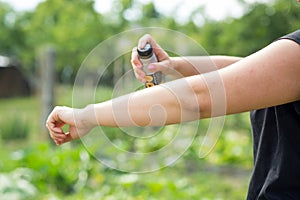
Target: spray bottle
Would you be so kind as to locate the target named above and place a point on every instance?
(147, 56)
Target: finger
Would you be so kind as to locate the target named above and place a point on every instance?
(163, 66)
(140, 75)
(56, 139)
(55, 130)
(137, 66)
(60, 116)
(159, 52)
(53, 119)
(58, 135)
(57, 142)
(147, 38)
(60, 139)
(154, 67)
(136, 63)
(69, 137)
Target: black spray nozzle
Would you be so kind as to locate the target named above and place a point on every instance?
(146, 52)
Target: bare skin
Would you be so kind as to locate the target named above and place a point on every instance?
(266, 78)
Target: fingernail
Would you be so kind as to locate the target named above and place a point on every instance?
(151, 67)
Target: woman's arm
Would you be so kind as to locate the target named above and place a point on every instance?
(267, 78)
(177, 67)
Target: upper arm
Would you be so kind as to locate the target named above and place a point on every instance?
(267, 78)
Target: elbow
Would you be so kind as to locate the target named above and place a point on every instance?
(203, 101)
(198, 103)
(208, 97)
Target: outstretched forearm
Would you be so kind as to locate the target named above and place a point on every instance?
(193, 65)
(169, 103)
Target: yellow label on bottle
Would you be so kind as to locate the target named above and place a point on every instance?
(149, 78)
(147, 85)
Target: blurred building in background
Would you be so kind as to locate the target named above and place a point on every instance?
(12, 80)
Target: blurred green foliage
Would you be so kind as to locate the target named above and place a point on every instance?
(75, 28)
(40, 171)
(15, 128)
(261, 25)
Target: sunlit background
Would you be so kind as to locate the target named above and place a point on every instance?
(42, 46)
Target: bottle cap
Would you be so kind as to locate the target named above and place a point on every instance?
(146, 52)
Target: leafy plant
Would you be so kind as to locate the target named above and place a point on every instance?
(17, 185)
(14, 128)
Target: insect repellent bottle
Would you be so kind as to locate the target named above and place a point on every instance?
(147, 56)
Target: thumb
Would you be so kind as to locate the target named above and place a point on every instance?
(74, 133)
(163, 66)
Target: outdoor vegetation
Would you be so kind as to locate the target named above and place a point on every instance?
(32, 167)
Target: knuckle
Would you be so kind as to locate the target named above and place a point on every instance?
(133, 61)
(148, 35)
(57, 108)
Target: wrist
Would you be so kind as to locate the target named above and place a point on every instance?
(87, 117)
(174, 63)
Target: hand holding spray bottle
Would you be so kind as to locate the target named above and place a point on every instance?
(147, 56)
